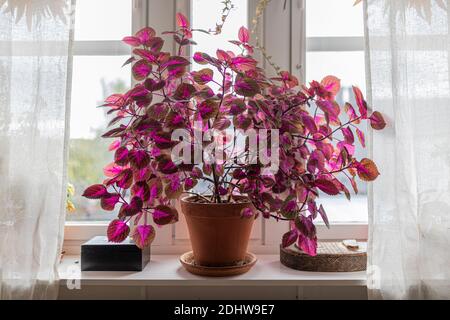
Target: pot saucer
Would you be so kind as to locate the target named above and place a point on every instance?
(187, 260)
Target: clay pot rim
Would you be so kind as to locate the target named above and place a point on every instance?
(186, 200)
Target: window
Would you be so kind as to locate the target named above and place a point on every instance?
(337, 48)
(97, 72)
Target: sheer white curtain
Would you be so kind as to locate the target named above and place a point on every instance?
(408, 59)
(35, 41)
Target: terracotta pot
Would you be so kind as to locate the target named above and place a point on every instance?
(219, 235)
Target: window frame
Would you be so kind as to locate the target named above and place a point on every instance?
(274, 22)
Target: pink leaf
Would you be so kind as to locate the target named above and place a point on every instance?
(145, 54)
(182, 21)
(132, 41)
(114, 145)
(112, 170)
(305, 226)
(326, 186)
(351, 113)
(323, 214)
(309, 246)
(247, 213)
(132, 208)
(331, 84)
(243, 63)
(377, 121)
(246, 87)
(117, 231)
(163, 215)
(243, 35)
(143, 235)
(360, 102)
(200, 58)
(203, 76)
(361, 138)
(139, 158)
(289, 238)
(109, 201)
(95, 191)
(125, 178)
(222, 55)
(145, 34)
(121, 156)
(309, 123)
(348, 135)
(141, 189)
(141, 69)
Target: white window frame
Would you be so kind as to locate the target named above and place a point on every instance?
(282, 33)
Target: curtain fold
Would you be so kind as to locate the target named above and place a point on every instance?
(35, 75)
(408, 59)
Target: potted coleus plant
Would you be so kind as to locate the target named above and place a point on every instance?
(238, 143)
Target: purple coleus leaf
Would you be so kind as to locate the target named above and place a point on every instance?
(361, 137)
(309, 123)
(362, 105)
(132, 41)
(166, 165)
(305, 226)
(201, 58)
(139, 158)
(182, 21)
(237, 106)
(117, 231)
(145, 35)
(141, 69)
(163, 215)
(109, 201)
(243, 35)
(312, 208)
(246, 87)
(348, 135)
(163, 140)
(243, 63)
(203, 76)
(189, 183)
(247, 212)
(95, 191)
(289, 238)
(367, 170)
(309, 246)
(125, 179)
(184, 91)
(207, 109)
(121, 156)
(323, 214)
(141, 189)
(146, 54)
(132, 208)
(326, 186)
(143, 235)
(377, 121)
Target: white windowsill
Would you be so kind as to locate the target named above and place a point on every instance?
(166, 270)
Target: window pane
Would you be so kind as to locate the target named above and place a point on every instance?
(332, 18)
(102, 19)
(346, 65)
(94, 78)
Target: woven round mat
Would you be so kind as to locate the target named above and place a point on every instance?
(331, 257)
